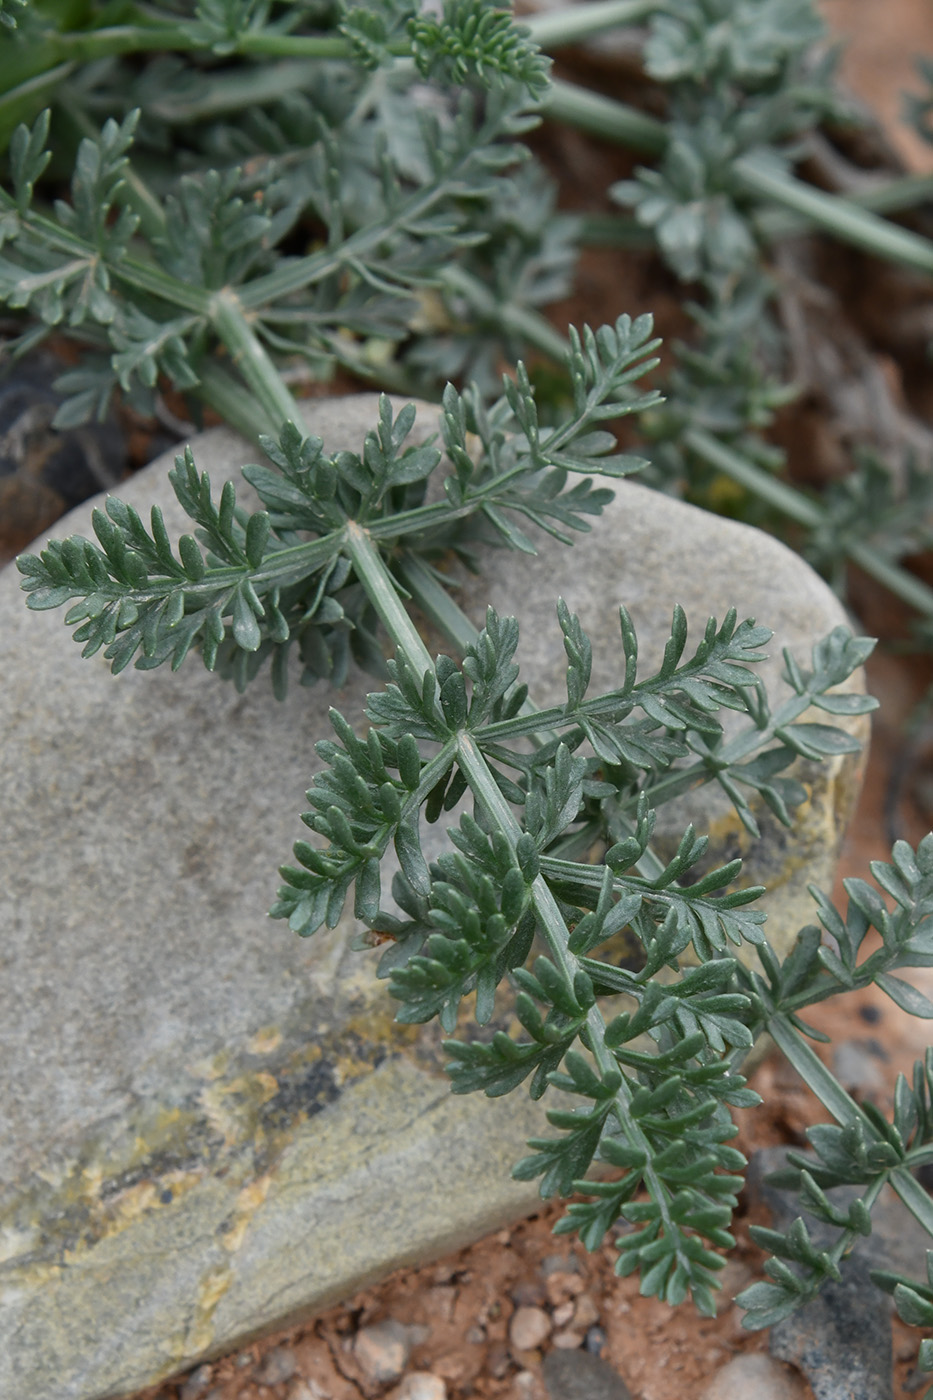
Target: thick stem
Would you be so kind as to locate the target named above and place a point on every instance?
(236, 406)
(845, 1110)
(792, 503)
(613, 121)
(514, 320)
(839, 216)
(569, 26)
(251, 359)
(556, 935)
(382, 592)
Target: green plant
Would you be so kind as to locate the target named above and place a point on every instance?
(198, 280)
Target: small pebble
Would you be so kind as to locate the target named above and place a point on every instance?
(756, 1374)
(596, 1339)
(585, 1311)
(475, 1336)
(561, 1286)
(576, 1375)
(563, 1314)
(382, 1350)
(196, 1384)
(528, 1328)
(305, 1390)
(560, 1264)
(568, 1339)
(420, 1385)
(497, 1360)
(277, 1366)
(529, 1293)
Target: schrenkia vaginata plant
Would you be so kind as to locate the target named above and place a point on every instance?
(398, 140)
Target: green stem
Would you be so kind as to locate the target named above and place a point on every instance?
(236, 406)
(841, 217)
(554, 931)
(514, 320)
(382, 592)
(796, 506)
(891, 197)
(569, 26)
(845, 1110)
(762, 484)
(815, 1074)
(602, 116)
(915, 1198)
(435, 602)
(251, 359)
(22, 101)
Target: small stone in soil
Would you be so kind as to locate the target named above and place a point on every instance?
(528, 1328)
(529, 1293)
(277, 1366)
(304, 1390)
(561, 1286)
(576, 1375)
(420, 1385)
(382, 1350)
(567, 1339)
(196, 1384)
(759, 1375)
(585, 1312)
(596, 1339)
(560, 1264)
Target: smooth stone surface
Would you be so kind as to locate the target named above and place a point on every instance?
(210, 1126)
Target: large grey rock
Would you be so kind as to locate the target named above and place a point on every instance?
(209, 1126)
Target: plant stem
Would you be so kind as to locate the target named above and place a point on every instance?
(435, 602)
(569, 26)
(602, 116)
(383, 593)
(846, 220)
(514, 320)
(845, 1110)
(889, 197)
(607, 118)
(556, 935)
(793, 503)
(236, 406)
(252, 360)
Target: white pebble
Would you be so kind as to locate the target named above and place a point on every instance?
(382, 1350)
(756, 1374)
(529, 1328)
(420, 1385)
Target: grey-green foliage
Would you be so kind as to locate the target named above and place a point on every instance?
(395, 172)
(743, 79)
(864, 1149)
(244, 589)
(509, 899)
(154, 272)
(467, 920)
(11, 11)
